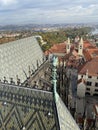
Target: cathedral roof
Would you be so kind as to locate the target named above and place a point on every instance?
(32, 109)
(24, 107)
(16, 56)
(28, 108)
(66, 121)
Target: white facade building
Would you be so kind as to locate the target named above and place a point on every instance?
(91, 84)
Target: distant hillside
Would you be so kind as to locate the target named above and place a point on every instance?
(41, 26)
(15, 27)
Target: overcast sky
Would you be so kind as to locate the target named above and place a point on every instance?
(48, 11)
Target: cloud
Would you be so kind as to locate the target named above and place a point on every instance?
(8, 2)
(48, 11)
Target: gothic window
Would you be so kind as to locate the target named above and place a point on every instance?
(80, 47)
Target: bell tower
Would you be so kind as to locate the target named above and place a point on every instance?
(68, 46)
(80, 47)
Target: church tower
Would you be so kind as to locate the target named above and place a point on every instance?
(68, 46)
(80, 47)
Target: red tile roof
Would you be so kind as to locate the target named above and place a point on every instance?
(90, 50)
(93, 52)
(91, 66)
(57, 48)
(87, 55)
(87, 44)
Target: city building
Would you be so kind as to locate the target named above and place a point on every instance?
(90, 73)
(89, 68)
(78, 75)
(82, 55)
